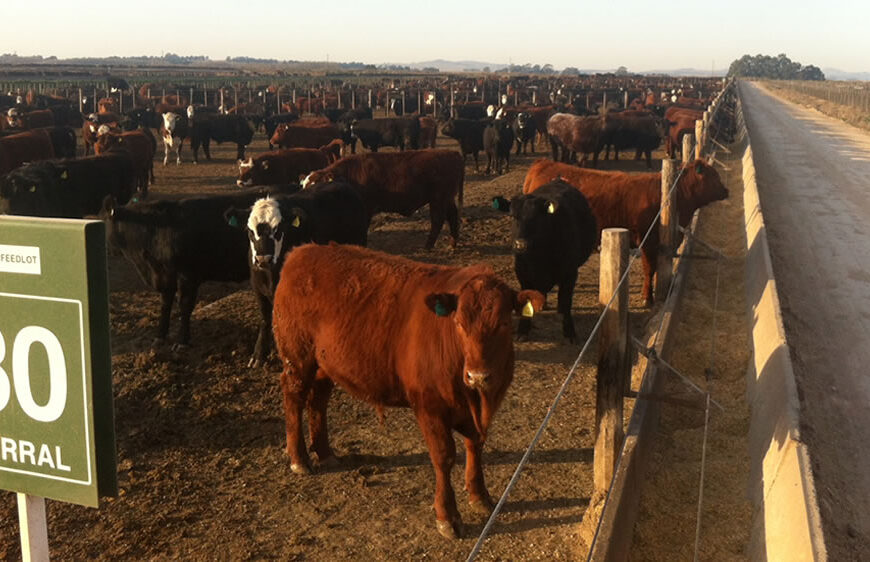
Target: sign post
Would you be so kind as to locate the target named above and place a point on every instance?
(56, 414)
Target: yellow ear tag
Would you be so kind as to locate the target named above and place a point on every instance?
(64, 175)
(528, 310)
(551, 208)
(295, 223)
(32, 189)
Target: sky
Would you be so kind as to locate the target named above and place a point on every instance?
(639, 35)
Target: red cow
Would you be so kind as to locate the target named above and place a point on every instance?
(573, 134)
(29, 119)
(107, 105)
(28, 146)
(402, 182)
(292, 135)
(632, 201)
(333, 150)
(141, 147)
(679, 122)
(428, 132)
(281, 166)
(93, 123)
(398, 333)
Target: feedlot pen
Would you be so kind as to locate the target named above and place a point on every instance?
(200, 436)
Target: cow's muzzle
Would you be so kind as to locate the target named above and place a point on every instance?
(520, 245)
(475, 380)
(263, 262)
(246, 183)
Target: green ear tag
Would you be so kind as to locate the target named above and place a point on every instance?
(64, 175)
(233, 221)
(135, 200)
(440, 309)
(496, 204)
(528, 310)
(551, 208)
(295, 223)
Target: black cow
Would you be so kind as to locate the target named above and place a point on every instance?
(177, 245)
(140, 117)
(554, 233)
(407, 107)
(525, 131)
(498, 139)
(469, 133)
(470, 110)
(400, 132)
(631, 129)
(271, 123)
(275, 225)
(219, 128)
(67, 188)
(337, 115)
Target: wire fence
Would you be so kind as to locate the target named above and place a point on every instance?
(852, 94)
(572, 372)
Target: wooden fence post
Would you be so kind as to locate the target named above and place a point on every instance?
(81, 105)
(387, 105)
(370, 100)
(699, 138)
(687, 147)
(667, 229)
(452, 105)
(625, 100)
(612, 357)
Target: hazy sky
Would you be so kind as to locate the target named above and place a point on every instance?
(593, 35)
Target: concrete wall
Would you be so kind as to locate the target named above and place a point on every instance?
(785, 522)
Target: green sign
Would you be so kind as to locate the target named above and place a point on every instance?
(57, 435)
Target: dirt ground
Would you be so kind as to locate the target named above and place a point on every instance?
(200, 437)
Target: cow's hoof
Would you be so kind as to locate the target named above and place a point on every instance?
(482, 505)
(448, 530)
(300, 469)
(330, 461)
(179, 347)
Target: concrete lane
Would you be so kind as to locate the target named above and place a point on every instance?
(813, 176)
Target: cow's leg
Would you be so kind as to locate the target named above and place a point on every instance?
(167, 298)
(437, 215)
(649, 159)
(478, 496)
(519, 145)
(178, 151)
(649, 257)
(296, 380)
(205, 148)
(453, 222)
(318, 399)
(442, 452)
(240, 151)
(566, 294)
(476, 162)
(264, 335)
(507, 162)
(194, 148)
(166, 149)
(186, 302)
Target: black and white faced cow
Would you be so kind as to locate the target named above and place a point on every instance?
(331, 212)
(554, 233)
(173, 131)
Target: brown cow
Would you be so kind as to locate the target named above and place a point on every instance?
(397, 333)
(139, 144)
(27, 120)
(679, 121)
(107, 105)
(428, 132)
(28, 146)
(571, 134)
(291, 135)
(281, 166)
(402, 182)
(333, 150)
(633, 201)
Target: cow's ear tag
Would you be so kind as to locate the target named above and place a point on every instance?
(135, 200)
(551, 208)
(64, 175)
(32, 189)
(295, 223)
(233, 221)
(528, 309)
(440, 309)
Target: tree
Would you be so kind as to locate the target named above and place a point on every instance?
(570, 71)
(622, 71)
(779, 67)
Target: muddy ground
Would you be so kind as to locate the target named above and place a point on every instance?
(200, 438)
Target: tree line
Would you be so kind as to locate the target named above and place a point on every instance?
(779, 67)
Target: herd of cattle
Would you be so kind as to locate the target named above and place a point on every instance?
(389, 330)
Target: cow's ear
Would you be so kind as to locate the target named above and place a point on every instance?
(297, 217)
(528, 303)
(442, 304)
(236, 217)
(499, 203)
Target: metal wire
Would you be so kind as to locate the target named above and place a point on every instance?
(571, 373)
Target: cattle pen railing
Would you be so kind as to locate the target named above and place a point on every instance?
(611, 449)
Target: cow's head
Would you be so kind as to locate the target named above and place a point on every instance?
(699, 185)
(315, 177)
(524, 120)
(247, 171)
(169, 123)
(535, 223)
(481, 311)
(267, 228)
(504, 99)
(190, 111)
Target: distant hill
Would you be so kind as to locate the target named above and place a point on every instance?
(837, 74)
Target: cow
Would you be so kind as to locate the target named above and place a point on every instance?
(679, 122)
(27, 146)
(472, 110)
(398, 333)
(63, 139)
(428, 132)
(302, 136)
(276, 225)
(67, 188)
(333, 150)
(554, 233)
(219, 128)
(525, 131)
(570, 135)
(498, 139)
(469, 134)
(139, 144)
(271, 123)
(40, 118)
(402, 182)
(631, 129)
(177, 245)
(401, 132)
(281, 166)
(620, 200)
(173, 131)
(91, 126)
